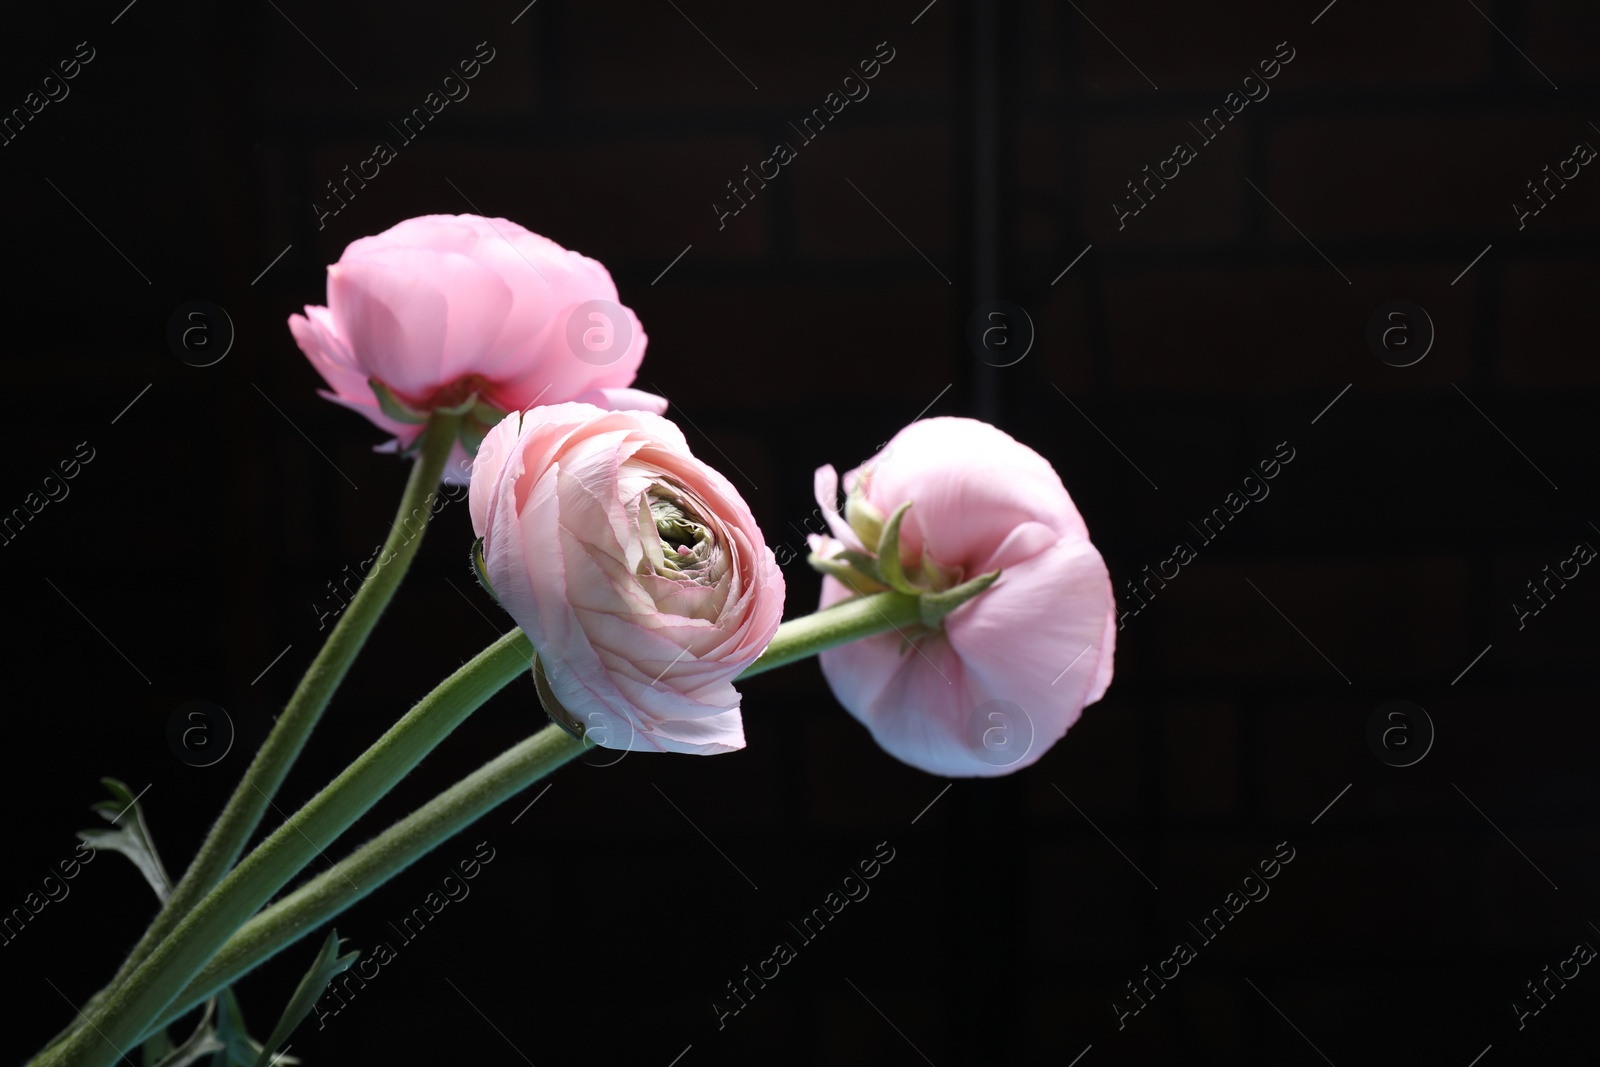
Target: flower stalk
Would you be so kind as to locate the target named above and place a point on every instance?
(216, 944)
(243, 812)
(130, 1008)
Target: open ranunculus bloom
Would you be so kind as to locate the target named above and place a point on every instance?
(442, 307)
(1004, 675)
(637, 571)
(976, 625)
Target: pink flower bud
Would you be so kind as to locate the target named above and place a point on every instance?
(1004, 675)
(637, 571)
(441, 307)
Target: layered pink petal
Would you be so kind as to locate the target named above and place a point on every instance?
(556, 495)
(440, 306)
(1004, 676)
(970, 485)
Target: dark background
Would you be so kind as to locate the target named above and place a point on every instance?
(812, 326)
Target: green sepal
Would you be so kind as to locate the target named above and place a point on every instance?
(472, 435)
(847, 573)
(325, 968)
(393, 406)
(483, 417)
(553, 707)
(864, 518)
(462, 408)
(862, 563)
(131, 838)
(488, 414)
(480, 568)
(889, 553)
(933, 607)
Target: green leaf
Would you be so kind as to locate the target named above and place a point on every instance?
(202, 1043)
(889, 552)
(156, 1049)
(393, 406)
(327, 966)
(131, 838)
(933, 607)
(239, 1049)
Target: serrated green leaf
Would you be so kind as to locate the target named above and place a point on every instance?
(131, 838)
(393, 406)
(889, 552)
(327, 966)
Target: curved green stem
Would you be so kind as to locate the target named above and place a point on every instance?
(128, 1011)
(266, 772)
(413, 837)
(243, 812)
(214, 945)
(377, 861)
(846, 621)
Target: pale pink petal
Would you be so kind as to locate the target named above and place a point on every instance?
(1004, 676)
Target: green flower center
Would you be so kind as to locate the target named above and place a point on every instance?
(684, 546)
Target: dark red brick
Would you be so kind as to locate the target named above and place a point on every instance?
(1061, 345)
(1541, 313)
(293, 79)
(1362, 43)
(1271, 328)
(1221, 617)
(893, 186)
(1203, 202)
(1200, 749)
(1559, 39)
(824, 334)
(1097, 762)
(657, 195)
(1424, 173)
(655, 60)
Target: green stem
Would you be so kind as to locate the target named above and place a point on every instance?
(255, 791)
(408, 840)
(846, 621)
(377, 861)
(129, 1010)
(216, 938)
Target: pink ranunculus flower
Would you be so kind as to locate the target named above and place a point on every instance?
(1005, 674)
(637, 571)
(440, 307)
